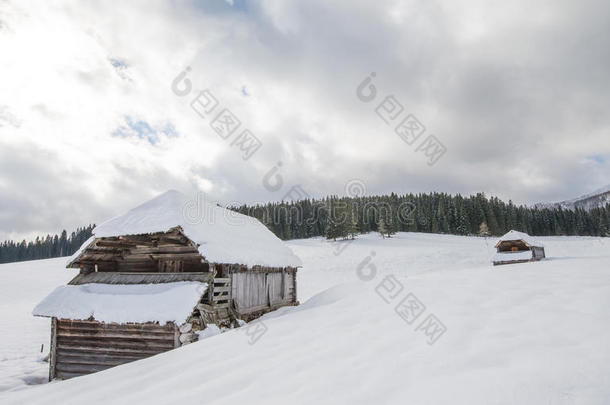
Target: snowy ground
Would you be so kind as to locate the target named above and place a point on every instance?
(534, 333)
(23, 285)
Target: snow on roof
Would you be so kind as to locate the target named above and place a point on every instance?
(224, 236)
(510, 256)
(137, 303)
(516, 235)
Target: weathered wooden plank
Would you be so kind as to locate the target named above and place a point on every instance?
(154, 333)
(137, 259)
(221, 301)
(169, 238)
(53, 349)
(205, 307)
(111, 350)
(294, 287)
(128, 340)
(66, 355)
(143, 257)
(97, 361)
(105, 354)
(87, 350)
(81, 368)
(145, 267)
(175, 256)
(104, 242)
(69, 323)
(122, 336)
(115, 277)
(64, 342)
(87, 334)
(66, 376)
(116, 335)
(177, 342)
(164, 249)
(94, 323)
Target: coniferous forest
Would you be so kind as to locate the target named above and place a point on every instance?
(341, 217)
(44, 247)
(345, 217)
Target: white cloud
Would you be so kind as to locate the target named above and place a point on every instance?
(517, 94)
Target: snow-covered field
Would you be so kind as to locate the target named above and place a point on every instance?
(22, 286)
(534, 333)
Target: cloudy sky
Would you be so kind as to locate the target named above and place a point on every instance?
(94, 117)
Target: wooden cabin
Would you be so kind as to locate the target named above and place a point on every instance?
(153, 278)
(517, 247)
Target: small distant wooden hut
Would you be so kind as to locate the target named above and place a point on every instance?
(517, 247)
(153, 278)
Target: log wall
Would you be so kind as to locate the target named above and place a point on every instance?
(84, 347)
(166, 252)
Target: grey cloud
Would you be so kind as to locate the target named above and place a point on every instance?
(508, 104)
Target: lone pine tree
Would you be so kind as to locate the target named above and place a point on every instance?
(382, 227)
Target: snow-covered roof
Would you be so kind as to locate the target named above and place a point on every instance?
(511, 256)
(224, 236)
(135, 303)
(516, 235)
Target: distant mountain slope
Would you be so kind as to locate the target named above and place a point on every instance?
(596, 199)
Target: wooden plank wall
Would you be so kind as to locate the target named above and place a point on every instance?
(249, 289)
(538, 252)
(256, 290)
(84, 347)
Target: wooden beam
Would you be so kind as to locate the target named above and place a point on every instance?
(53, 349)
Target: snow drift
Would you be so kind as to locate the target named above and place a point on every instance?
(528, 334)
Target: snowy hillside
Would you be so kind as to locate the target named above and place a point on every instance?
(595, 199)
(533, 333)
(22, 286)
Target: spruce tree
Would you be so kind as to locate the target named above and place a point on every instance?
(343, 220)
(352, 228)
(332, 230)
(461, 227)
(604, 227)
(391, 226)
(382, 227)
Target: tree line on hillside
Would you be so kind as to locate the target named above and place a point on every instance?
(342, 217)
(345, 217)
(44, 247)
